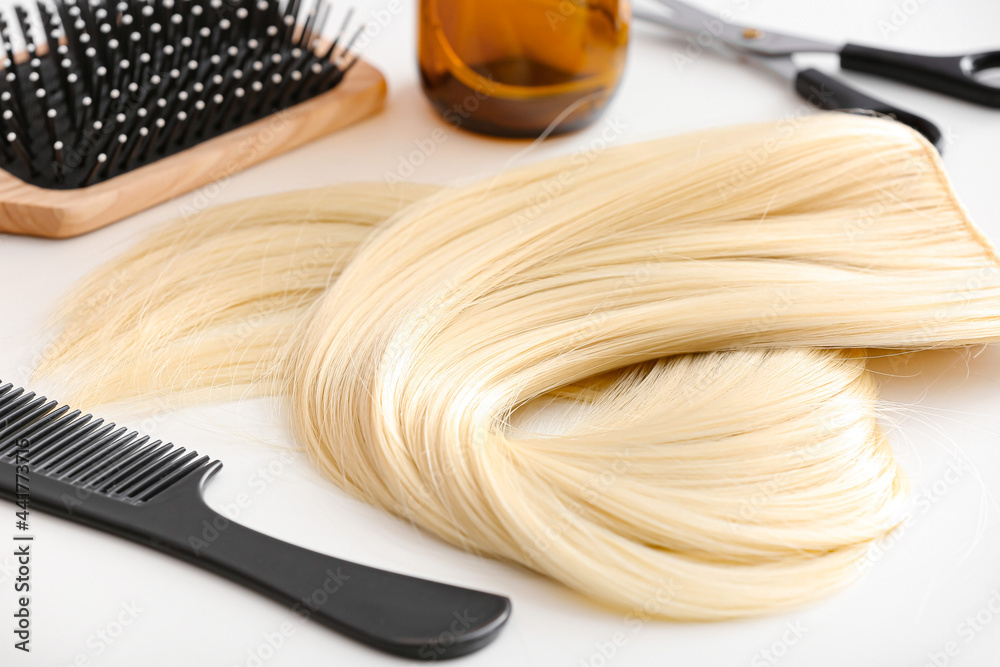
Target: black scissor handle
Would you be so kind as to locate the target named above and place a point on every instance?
(826, 92)
(951, 75)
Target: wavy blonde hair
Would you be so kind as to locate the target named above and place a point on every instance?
(695, 309)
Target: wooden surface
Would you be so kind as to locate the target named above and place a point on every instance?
(34, 211)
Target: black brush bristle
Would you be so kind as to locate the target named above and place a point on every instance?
(88, 453)
(91, 89)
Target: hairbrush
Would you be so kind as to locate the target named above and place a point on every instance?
(81, 468)
(107, 108)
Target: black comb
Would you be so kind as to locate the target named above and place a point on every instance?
(81, 468)
(90, 90)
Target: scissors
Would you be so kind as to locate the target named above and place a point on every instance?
(955, 76)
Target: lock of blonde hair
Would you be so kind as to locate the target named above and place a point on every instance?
(694, 310)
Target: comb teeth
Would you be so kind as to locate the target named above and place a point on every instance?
(89, 453)
(90, 89)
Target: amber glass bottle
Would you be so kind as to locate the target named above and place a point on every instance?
(515, 67)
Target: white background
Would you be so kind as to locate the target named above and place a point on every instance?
(941, 409)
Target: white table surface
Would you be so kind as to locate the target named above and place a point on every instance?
(912, 604)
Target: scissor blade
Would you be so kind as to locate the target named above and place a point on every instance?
(682, 16)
